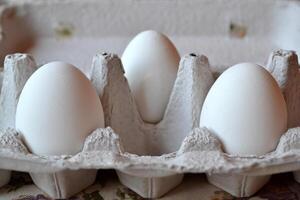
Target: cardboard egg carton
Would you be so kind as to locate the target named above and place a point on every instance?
(149, 159)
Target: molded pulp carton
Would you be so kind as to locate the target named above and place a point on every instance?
(149, 159)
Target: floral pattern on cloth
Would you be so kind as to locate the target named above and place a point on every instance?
(280, 187)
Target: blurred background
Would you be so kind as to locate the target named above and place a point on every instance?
(228, 32)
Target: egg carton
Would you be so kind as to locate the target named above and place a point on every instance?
(150, 159)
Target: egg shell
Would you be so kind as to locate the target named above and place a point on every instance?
(151, 63)
(246, 110)
(58, 108)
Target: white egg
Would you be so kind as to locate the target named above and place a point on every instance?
(58, 108)
(246, 110)
(151, 63)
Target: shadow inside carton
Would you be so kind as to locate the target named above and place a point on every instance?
(121, 111)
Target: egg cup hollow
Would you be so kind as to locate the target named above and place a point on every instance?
(152, 139)
(58, 30)
(64, 184)
(13, 79)
(17, 69)
(248, 185)
(238, 185)
(150, 186)
(155, 154)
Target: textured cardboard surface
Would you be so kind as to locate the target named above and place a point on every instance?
(194, 186)
(193, 150)
(239, 185)
(114, 142)
(64, 184)
(176, 145)
(15, 76)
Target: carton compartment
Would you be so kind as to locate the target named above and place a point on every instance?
(146, 155)
(199, 152)
(64, 184)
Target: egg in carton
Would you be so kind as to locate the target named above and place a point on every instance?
(149, 159)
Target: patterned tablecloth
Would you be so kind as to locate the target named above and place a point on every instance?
(107, 187)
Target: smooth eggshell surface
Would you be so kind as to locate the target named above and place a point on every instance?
(58, 108)
(246, 110)
(151, 63)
